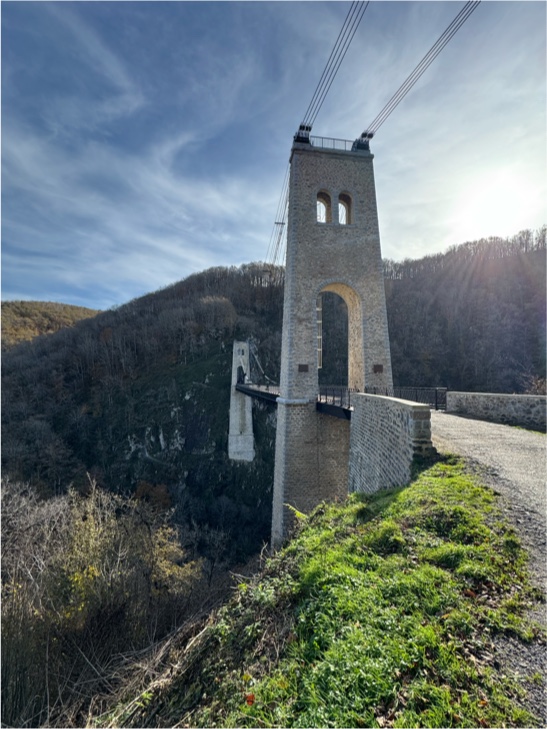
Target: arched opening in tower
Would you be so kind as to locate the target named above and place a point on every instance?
(332, 339)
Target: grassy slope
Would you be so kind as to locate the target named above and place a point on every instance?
(379, 612)
(24, 320)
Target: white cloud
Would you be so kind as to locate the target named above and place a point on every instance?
(163, 159)
(120, 97)
(149, 226)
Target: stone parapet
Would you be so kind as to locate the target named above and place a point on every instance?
(386, 436)
(524, 410)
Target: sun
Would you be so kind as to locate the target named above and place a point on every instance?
(499, 203)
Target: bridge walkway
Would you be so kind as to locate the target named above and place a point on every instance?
(514, 456)
(336, 400)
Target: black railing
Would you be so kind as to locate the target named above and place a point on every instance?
(435, 397)
(347, 145)
(340, 397)
(335, 395)
(262, 392)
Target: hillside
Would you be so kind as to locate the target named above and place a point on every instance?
(123, 511)
(390, 610)
(24, 320)
(471, 319)
(138, 396)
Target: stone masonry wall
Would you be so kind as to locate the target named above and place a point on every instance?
(345, 259)
(311, 459)
(311, 462)
(386, 435)
(524, 410)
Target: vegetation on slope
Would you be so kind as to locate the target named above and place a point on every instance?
(379, 612)
(118, 395)
(471, 319)
(138, 397)
(86, 578)
(24, 320)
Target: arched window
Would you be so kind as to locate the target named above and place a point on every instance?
(324, 207)
(344, 209)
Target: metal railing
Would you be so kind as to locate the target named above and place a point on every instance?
(262, 392)
(335, 395)
(435, 397)
(340, 396)
(346, 145)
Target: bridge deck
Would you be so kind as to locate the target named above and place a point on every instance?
(336, 400)
(261, 392)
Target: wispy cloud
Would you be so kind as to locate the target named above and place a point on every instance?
(147, 225)
(120, 96)
(143, 142)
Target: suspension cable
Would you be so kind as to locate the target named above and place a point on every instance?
(426, 61)
(337, 55)
(281, 233)
(345, 36)
(279, 228)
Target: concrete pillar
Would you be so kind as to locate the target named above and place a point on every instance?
(240, 437)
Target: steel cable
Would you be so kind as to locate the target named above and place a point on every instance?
(277, 234)
(337, 55)
(426, 61)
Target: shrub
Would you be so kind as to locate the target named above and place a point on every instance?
(83, 577)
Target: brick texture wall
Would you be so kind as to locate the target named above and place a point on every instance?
(386, 435)
(311, 463)
(312, 449)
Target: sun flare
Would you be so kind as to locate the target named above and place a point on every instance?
(500, 203)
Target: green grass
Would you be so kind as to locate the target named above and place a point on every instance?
(530, 429)
(379, 612)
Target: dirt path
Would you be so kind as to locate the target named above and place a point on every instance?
(513, 463)
(516, 456)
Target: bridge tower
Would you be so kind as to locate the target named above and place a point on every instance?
(333, 244)
(240, 435)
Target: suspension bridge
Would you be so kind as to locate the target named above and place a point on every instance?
(365, 435)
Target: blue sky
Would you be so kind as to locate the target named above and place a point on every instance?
(144, 141)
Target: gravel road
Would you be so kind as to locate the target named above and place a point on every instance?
(513, 463)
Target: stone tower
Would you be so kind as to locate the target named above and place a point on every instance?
(333, 244)
(240, 437)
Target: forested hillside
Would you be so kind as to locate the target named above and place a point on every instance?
(471, 319)
(24, 320)
(121, 511)
(131, 408)
(138, 398)
(139, 395)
